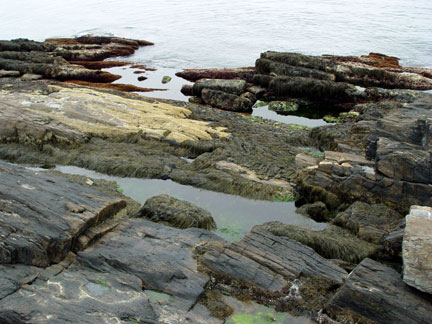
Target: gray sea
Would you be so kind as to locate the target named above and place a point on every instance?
(232, 33)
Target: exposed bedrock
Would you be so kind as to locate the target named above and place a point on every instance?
(320, 80)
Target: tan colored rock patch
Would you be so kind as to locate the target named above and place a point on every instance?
(104, 114)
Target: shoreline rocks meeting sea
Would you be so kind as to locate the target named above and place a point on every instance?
(75, 249)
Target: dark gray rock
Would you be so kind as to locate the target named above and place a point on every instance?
(158, 255)
(176, 213)
(81, 295)
(38, 229)
(12, 277)
(264, 260)
(374, 293)
(236, 87)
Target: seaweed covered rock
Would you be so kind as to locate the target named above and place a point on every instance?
(369, 222)
(176, 213)
(331, 243)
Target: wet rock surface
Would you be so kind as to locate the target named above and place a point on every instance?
(177, 213)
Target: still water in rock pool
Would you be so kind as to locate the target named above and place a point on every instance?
(234, 215)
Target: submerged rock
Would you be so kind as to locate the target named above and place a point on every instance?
(417, 249)
(176, 213)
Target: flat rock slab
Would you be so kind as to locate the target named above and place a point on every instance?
(118, 280)
(268, 261)
(37, 224)
(79, 295)
(374, 293)
(160, 256)
(417, 248)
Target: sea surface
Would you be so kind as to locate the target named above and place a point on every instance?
(232, 33)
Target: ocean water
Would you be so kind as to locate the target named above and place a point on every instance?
(222, 33)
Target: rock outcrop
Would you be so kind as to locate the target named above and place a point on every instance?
(381, 158)
(317, 80)
(417, 249)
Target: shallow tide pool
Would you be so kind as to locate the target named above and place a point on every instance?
(234, 215)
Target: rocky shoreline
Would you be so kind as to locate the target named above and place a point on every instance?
(76, 250)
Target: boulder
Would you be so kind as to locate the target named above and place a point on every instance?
(417, 249)
(375, 293)
(331, 243)
(226, 101)
(176, 213)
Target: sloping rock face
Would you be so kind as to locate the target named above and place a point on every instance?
(417, 249)
(374, 293)
(277, 270)
(40, 229)
(176, 213)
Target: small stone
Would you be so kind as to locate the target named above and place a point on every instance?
(31, 77)
(166, 79)
(141, 78)
(73, 208)
(89, 182)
